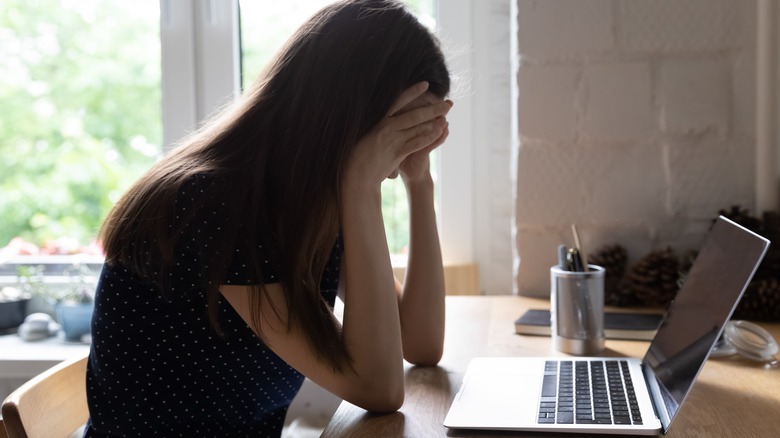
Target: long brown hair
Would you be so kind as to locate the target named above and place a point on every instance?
(277, 156)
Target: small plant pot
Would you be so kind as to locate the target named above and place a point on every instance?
(75, 319)
(12, 313)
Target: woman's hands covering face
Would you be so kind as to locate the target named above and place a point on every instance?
(414, 126)
(416, 166)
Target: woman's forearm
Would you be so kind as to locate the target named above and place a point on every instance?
(422, 300)
(371, 325)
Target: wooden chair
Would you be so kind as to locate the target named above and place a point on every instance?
(52, 404)
(2, 429)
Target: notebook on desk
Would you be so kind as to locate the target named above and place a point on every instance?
(618, 395)
(617, 325)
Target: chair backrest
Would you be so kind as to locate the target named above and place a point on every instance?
(52, 404)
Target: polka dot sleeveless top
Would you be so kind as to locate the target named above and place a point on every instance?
(157, 368)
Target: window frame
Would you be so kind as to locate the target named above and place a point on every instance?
(201, 64)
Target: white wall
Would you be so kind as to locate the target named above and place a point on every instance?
(636, 122)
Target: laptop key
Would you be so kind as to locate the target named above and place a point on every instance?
(622, 420)
(549, 384)
(594, 421)
(565, 418)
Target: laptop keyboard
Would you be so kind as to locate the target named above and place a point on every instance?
(588, 392)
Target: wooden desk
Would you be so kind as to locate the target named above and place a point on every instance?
(733, 397)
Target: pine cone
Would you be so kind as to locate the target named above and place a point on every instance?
(614, 259)
(653, 279)
(686, 262)
(761, 301)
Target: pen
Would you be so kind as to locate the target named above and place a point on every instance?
(580, 248)
(575, 261)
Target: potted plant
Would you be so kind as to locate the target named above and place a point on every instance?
(75, 304)
(13, 307)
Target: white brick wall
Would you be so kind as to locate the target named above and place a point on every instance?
(685, 25)
(744, 96)
(636, 121)
(694, 95)
(618, 101)
(552, 29)
(547, 102)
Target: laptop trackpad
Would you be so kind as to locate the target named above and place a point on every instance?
(499, 393)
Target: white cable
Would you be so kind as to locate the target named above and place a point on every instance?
(751, 340)
(723, 348)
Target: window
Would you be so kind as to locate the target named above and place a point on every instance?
(183, 57)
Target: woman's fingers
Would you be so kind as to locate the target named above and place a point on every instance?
(421, 115)
(408, 96)
(416, 123)
(424, 135)
(419, 127)
(442, 138)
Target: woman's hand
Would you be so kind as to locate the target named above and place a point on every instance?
(400, 134)
(416, 167)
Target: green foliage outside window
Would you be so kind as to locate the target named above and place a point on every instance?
(81, 113)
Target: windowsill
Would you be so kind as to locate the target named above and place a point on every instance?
(54, 268)
(459, 279)
(49, 260)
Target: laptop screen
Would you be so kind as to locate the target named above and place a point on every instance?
(694, 321)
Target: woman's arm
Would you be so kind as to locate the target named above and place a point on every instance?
(371, 328)
(421, 300)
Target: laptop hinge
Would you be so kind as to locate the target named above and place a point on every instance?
(657, 397)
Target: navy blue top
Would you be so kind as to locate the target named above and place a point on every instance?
(157, 368)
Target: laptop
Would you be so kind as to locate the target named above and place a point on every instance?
(615, 395)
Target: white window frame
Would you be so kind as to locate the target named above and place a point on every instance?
(200, 62)
(456, 183)
(201, 69)
(478, 162)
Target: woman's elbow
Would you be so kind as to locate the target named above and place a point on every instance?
(382, 401)
(428, 357)
(387, 406)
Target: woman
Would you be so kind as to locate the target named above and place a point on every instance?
(223, 261)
